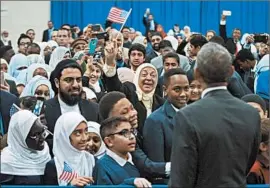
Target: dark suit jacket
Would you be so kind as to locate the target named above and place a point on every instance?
(229, 42)
(150, 56)
(6, 101)
(159, 124)
(12, 87)
(20, 180)
(89, 111)
(237, 87)
(50, 174)
(146, 24)
(215, 142)
(129, 89)
(2, 43)
(45, 37)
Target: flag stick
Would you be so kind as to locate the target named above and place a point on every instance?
(124, 22)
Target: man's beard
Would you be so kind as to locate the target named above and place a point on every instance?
(156, 47)
(70, 100)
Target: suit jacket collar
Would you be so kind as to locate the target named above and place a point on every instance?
(168, 109)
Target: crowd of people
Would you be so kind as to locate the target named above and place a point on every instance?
(181, 108)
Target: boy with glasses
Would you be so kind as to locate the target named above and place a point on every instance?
(116, 166)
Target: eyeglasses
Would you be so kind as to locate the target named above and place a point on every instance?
(25, 44)
(126, 133)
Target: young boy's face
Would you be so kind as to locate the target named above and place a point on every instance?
(259, 108)
(122, 139)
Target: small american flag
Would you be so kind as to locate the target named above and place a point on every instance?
(68, 174)
(117, 15)
(14, 108)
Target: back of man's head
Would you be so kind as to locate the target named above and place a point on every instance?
(214, 63)
(198, 40)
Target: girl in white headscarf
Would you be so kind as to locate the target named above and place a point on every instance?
(58, 55)
(38, 86)
(69, 144)
(17, 63)
(95, 145)
(35, 58)
(19, 159)
(37, 69)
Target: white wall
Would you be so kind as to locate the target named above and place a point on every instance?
(19, 16)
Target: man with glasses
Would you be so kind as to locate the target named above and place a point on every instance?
(23, 42)
(66, 81)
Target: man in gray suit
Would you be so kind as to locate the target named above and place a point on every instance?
(216, 139)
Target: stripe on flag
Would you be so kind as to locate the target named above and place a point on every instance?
(117, 15)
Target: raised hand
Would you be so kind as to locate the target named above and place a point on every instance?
(111, 52)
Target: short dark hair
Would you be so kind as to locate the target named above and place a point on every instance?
(63, 29)
(244, 54)
(198, 40)
(172, 72)
(4, 49)
(138, 47)
(108, 101)
(218, 40)
(171, 55)
(22, 36)
(29, 30)
(214, 63)
(164, 43)
(109, 125)
(212, 31)
(125, 27)
(256, 99)
(65, 25)
(154, 33)
(265, 129)
(34, 45)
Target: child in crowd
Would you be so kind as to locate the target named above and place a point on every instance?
(259, 173)
(116, 166)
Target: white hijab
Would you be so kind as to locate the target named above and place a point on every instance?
(94, 127)
(35, 59)
(17, 158)
(147, 99)
(32, 68)
(57, 56)
(81, 162)
(89, 93)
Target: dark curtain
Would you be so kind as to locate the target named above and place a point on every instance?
(249, 16)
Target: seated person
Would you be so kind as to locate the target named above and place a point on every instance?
(259, 173)
(95, 145)
(24, 159)
(69, 144)
(116, 166)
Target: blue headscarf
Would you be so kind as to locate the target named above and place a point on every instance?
(34, 83)
(16, 62)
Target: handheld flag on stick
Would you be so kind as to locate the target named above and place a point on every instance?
(118, 15)
(68, 174)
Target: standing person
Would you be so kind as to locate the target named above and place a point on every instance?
(148, 21)
(47, 34)
(217, 151)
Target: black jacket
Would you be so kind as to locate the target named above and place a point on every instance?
(215, 142)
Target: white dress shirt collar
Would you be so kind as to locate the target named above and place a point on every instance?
(66, 108)
(119, 159)
(207, 90)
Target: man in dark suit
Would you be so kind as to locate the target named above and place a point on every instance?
(216, 139)
(66, 81)
(159, 123)
(47, 34)
(232, 44)
(149, 23)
